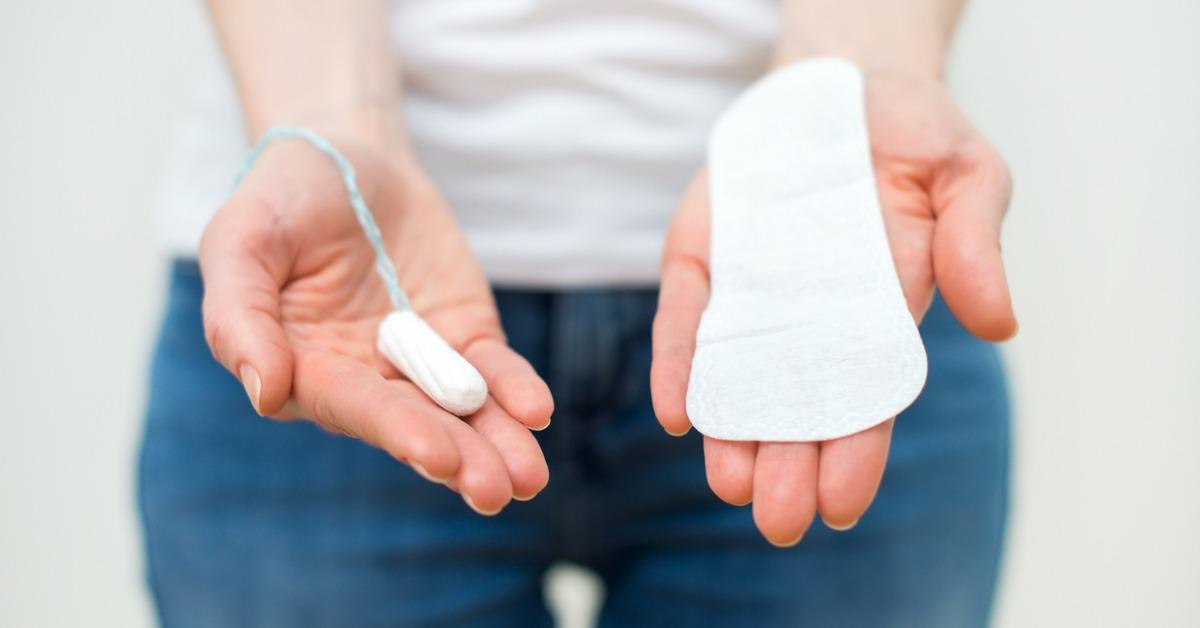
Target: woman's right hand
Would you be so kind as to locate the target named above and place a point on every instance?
(292, 303)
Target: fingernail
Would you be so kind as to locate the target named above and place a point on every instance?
(525, 499)
(838, 528)
(787, 545)
(467, 498)
(252, 383)
(421, 471)
(677, 434)
(538, 429)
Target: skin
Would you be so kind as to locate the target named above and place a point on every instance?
(944, 191)
(292, 304)
(291, 300)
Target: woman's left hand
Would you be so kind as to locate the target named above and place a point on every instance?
(944, 191)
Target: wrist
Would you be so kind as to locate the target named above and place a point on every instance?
(923, 60)
(291, 160)
(370, 125)
(875, 35)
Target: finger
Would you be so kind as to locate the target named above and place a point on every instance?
(482, 479)
(730, 468)
(970, 197)
(681, 301)
(350, 397)
(512, 381)
(909, 227)
(518, 449)
(850, 469)
(244, 261)
(785, 490)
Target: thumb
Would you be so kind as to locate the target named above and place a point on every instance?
(244, 261)
(681, 300)
(970, 197)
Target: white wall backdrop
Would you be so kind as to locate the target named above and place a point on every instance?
(1096, 105)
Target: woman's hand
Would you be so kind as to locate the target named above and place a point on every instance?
(944, 191)
(292, 303)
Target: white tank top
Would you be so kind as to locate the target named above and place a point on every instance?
(561, 132)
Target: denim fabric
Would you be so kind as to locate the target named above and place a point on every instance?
(250, 522)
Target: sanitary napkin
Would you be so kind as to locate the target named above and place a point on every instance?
(806, 336)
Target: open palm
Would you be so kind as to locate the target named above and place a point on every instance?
(292, 304)
(944, 191)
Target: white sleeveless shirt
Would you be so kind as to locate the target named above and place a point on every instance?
(561, 132)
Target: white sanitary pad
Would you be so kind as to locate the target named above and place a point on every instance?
(806, 336)
(414, 348)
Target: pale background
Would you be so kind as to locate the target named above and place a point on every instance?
(1096, 105)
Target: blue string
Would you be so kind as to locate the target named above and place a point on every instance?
(383, 264)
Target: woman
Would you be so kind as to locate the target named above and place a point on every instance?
(522, 158)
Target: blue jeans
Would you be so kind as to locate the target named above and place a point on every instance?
(250, 522)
